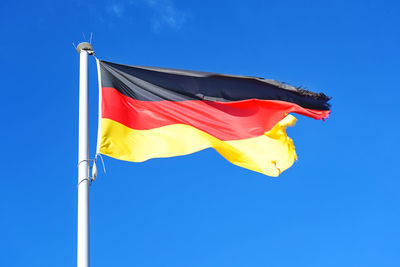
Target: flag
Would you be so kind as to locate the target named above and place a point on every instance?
(149, 112)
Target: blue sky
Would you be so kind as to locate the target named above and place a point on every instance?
(337, 206)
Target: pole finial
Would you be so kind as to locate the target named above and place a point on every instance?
(84, 46)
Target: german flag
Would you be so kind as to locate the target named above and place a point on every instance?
(149, 112)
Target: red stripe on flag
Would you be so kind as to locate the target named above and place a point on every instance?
(223, 120)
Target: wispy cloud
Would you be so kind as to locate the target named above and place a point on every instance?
(116, 9)
(166, 14)
(162, 14)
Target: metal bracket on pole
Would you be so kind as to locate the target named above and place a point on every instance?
(93, 168)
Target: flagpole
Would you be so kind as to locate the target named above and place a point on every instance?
(84, 50)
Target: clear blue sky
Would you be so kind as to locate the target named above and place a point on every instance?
(337, 206)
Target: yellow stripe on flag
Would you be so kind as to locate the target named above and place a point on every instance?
(269, 154)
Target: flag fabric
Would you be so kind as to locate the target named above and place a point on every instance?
(149, 112)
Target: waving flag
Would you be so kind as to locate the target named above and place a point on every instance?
(149, 112)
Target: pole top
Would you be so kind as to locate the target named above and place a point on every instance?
(84, 46)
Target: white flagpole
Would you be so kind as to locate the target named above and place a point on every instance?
(84, 50)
